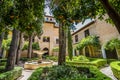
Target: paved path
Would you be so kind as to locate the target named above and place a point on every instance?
(107, 71)
(25, 74)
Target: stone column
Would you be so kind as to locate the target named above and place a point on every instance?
(103, 52)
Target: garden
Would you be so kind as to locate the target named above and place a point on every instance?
(22, 21)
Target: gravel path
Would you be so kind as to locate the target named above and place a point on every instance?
(107, 71)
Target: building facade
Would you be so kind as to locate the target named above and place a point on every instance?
(103, 30)
(50, 37)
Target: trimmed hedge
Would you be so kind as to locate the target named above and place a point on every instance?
(115, 66)
(36, 74)
(98, 63)
(93, 70)
(11, 75)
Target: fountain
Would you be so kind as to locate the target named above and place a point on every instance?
(38, 63)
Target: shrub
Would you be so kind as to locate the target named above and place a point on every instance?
(66, 72)
(35, 46)
(36, 74)
(11, 75)
(56, 49)
(24, 59)
(80, 58)
(3, 60)
(54, 58)
(115, 66)
(98, 63)
(111, 60)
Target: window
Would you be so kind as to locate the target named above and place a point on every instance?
(46, 39)
(50, 19)
(47, 19)
(87, 33)
(76, 38)
(57, 41)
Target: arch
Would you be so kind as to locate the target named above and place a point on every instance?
(111, 54)
(46, 52)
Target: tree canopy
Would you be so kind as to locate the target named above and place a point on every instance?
(112, 44)
(24, 15)
(88, 41)
(79, 10)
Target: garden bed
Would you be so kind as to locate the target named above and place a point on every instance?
(82, 60)
(115, 66)
(66, 72)
(11, 75)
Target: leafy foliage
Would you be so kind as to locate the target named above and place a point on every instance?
(11, 75)
(112, 44)
(82, 9)
(66, 72)
(70, 47)
(35, 46)
(116, 68)
(90, 40)
(56, 49)
(6, 44)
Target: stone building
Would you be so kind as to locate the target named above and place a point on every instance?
(103, 30)
(50, 37)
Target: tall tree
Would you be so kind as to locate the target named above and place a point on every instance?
(20, 43)
(26, 16)
(12, 51)
(79, 10)
(65, 19)
(70, 47)
(1, 39)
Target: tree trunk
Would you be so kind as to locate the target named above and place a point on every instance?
(70, 47)
(62, 45)
(30, 46)
(12, 51)
(1, 39)
(19, 48)
(112, 13)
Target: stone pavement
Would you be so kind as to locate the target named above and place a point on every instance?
(25, 74)
(107, 71)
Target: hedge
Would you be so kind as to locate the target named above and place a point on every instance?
(35, 75)
(115, 66)
(11, 75)
(93, 70)
(98, 63)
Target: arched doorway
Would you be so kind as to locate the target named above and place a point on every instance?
(87, 52)
(46, 52)
(111, 54)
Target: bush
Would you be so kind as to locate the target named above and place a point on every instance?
(115, 66)
(80, 58)
(11, 75)
(24, 59)
(66, 72)
(98, 63)
(111, 60)
(54, 58)
(2, 69)
(35, 46)
(56, 49)
(3, 60)
(36, 74)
